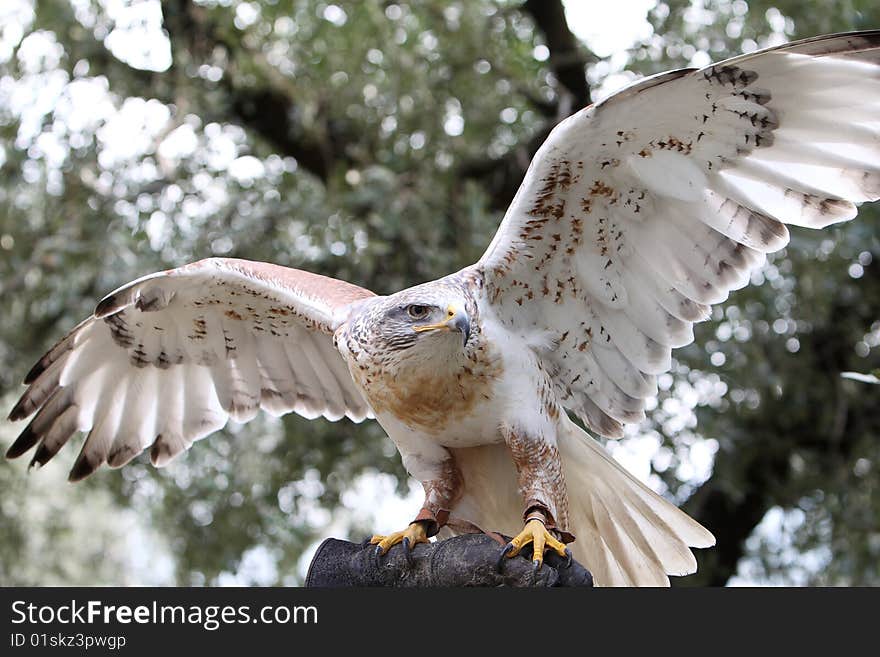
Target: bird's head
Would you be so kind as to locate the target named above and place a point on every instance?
(426, 325)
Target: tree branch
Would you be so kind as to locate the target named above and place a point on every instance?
(568, 59)
(760, 458)
(269, 113)
(267, 107)
(732, 519)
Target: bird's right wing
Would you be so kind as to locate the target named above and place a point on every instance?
(639, 213)
(168, 358)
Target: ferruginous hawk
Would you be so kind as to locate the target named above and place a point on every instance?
(635, 216)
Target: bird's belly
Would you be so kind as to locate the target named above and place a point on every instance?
(480, 427)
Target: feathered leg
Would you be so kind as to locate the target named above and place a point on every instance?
(542, 486)
(442, 482)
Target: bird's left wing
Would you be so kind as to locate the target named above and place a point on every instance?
(640, 212)
(165, 360)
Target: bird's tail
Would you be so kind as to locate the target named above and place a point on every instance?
(626, 534)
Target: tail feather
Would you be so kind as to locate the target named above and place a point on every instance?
(646, 537)
(626, 534)
(625, 547)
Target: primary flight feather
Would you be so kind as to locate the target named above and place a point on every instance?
(635, 216)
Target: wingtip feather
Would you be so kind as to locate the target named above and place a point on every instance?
(41, 457)
(82, 468)
(18, 411)
(38, 368)
(108, 306)
(25, 441)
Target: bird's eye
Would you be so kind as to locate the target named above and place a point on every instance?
(418, 312)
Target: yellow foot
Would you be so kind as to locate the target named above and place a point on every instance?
(536, 533)
(410, 537)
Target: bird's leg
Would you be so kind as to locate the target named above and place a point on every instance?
(542, 486)
(442, 489)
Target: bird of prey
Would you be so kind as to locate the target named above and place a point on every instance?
(635, 216)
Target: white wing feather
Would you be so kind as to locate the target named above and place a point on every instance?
(640, 212)
(167, 359)
(634, 217)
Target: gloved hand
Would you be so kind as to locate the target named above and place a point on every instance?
(466, 560)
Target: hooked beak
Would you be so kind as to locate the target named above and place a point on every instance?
(456, 320)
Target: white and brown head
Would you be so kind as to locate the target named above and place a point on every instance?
(427, 326)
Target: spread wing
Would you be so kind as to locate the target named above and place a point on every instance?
(168, 358)
(640, 212)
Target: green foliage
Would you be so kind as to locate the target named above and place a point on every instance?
(333, 138)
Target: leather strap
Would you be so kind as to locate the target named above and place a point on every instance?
(461, 526)
(433, 522)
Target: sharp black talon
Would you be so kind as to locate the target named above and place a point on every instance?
(536, 568)
(366, 541)
(376, 554)
(407, 551)
(568, 558)
(504, 552)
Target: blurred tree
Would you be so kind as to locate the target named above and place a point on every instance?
(380, 142)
